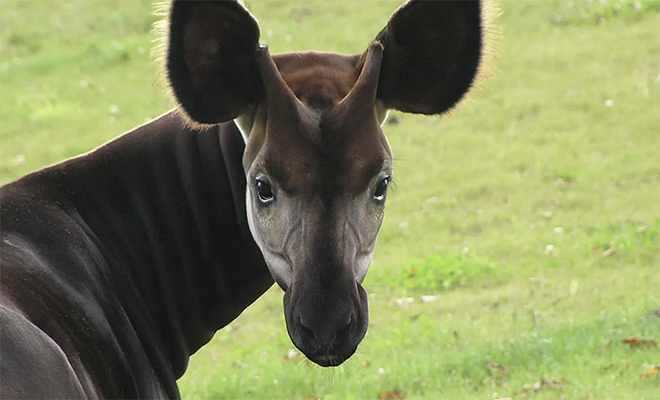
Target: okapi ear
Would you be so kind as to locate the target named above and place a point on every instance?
(432, 52)
(210, 59)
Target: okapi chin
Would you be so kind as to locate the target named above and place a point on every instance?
(119, 264)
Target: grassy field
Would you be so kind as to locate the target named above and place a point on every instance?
(532, 214)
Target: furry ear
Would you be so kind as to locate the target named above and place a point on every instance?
(432, 54)
(211, 59)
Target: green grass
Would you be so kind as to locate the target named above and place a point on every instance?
(437, 272)
(532, 213)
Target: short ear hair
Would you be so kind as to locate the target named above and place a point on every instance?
(432, 52)
(210, 59)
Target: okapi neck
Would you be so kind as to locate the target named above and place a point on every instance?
(169, 218)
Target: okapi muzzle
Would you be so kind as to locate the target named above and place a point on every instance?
(317, 164)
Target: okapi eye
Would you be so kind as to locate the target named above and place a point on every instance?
(264, 191)
(381, 188)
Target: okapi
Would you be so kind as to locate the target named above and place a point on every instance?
(119, 264)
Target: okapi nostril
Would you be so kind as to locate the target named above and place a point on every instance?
(345, 330)
(307, 331)
(322, 334)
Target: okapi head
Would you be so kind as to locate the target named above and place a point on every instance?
(317, 163)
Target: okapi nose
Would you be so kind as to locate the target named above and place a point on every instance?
(325, 335)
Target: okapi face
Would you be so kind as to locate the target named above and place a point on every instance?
(317, 163)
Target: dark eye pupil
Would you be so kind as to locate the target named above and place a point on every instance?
(264, 191)
(381, 188)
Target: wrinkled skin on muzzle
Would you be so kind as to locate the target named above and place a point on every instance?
(325, 306)
(330, 248)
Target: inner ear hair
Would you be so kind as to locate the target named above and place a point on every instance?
(210, 59)
(433, 50)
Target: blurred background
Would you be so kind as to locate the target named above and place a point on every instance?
(520, 254)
